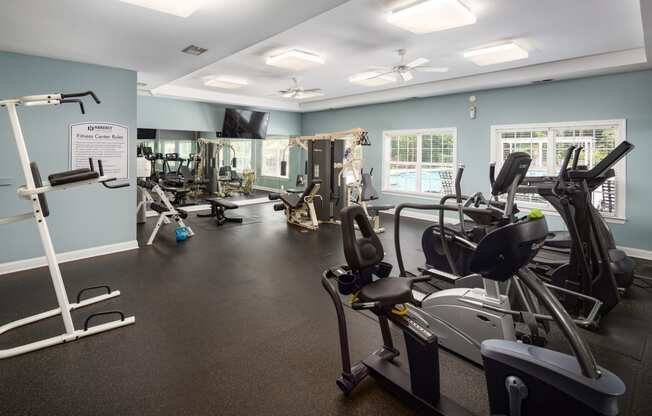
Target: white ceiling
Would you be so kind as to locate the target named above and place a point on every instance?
(113, 33)
(564, 38)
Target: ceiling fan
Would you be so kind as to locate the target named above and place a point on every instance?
(298, 92)
(403, 70)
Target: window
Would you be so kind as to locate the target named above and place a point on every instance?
(547, 144)
(420, 161)
(243, 154)
(272, 155)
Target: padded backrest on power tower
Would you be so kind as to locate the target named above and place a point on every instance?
(516, 164)
(39, 182)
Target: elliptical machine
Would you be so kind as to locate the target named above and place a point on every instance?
(454, 314)
(584, 259)
(522, 379)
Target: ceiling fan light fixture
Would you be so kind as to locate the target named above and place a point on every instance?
(431, 16)
(295, 59)
(178, 8)
(372, 79)
(229, 83)
(301, 95)
(497, 54)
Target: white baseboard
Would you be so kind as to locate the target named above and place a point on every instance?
(637, 252)
(33, 263)
(630, 251)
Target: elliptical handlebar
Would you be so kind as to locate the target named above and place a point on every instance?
(576, 157)
(563, 170)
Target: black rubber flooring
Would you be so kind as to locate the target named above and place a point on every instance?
(235, 322)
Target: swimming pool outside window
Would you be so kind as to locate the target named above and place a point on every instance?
(420, 162)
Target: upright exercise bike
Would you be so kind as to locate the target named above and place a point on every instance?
(521, 379)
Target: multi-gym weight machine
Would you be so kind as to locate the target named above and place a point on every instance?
(334, 161)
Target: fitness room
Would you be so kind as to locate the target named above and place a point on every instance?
(325, 207)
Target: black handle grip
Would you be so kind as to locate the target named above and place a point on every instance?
(576, 157)
(81, 292)
(492, 174)
(564, 164)
(95, 315)
(81, 94)
(73, 101)
(458, 184)
(107, 183)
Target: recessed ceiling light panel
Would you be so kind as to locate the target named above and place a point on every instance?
(431, 16)
(229, 83)
(181, 8)
(295, 59)
(498, 54)
(372, 79)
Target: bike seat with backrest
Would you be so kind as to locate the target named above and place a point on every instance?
(367, 252)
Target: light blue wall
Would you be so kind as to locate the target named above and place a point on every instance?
(85, 217)
(627, 96)
(170, 114)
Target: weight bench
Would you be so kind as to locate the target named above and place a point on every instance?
(219, 207)
(167, 212)
(299, 209)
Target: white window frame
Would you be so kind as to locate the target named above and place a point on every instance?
(620, 168)
(280, 155)
(387, 153)
(235, 143)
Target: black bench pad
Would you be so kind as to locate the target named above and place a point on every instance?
(77, 175)
(221, 203)
(292, 200)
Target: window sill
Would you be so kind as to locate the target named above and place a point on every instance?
(419, 195)
(524, 207)
(274, 177)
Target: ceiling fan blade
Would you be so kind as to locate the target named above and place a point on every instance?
(313, 90)
(430, 69)
(417, 62)
(380, 74)
(406, 76)
(288, 94)
(379, 69)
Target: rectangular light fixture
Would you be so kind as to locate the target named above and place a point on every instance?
(295, 59)
(229, 83)
(431, 16)
(372, 79)
(498, 54)
(181, 8)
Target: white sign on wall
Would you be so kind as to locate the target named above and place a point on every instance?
(108, 142)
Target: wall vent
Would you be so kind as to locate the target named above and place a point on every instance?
(194, 50)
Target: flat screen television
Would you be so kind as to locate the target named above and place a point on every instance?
(245, 124)
(146, 134)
